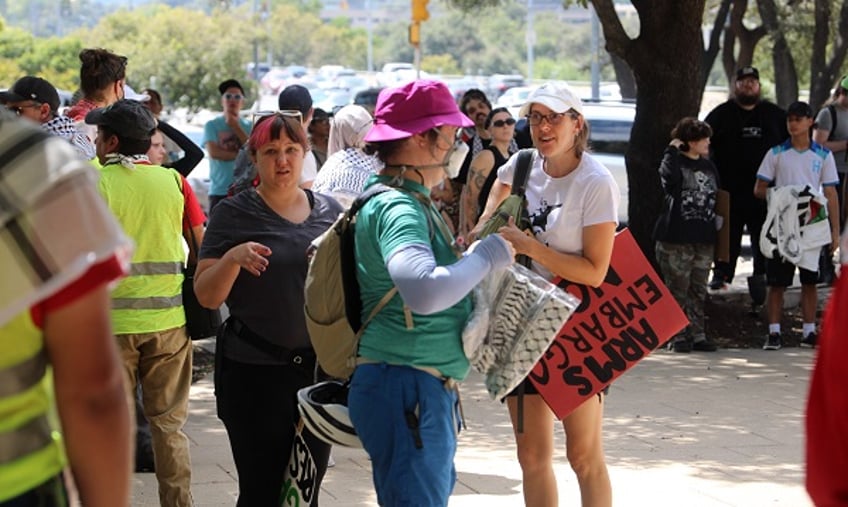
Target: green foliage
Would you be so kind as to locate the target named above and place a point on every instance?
(440, 64)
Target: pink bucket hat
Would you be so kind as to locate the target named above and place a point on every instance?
(412, 108)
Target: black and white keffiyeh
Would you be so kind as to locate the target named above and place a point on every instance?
(65, 128)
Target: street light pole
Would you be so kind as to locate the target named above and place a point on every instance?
(531, 40)
(370, 37)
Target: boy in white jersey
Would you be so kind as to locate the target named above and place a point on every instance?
(797, 161)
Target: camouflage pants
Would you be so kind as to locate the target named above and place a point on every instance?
(685, 268)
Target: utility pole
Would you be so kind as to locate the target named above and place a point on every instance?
(419, 14)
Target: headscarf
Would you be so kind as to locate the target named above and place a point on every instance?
(348, 128)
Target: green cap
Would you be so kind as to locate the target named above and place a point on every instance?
(844, 83)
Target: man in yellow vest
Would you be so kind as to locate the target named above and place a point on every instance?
(147, 313)
(59, 249)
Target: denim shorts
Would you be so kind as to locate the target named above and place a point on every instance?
(408, 423)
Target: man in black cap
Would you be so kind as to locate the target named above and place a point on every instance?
(744, 128)
(222, 138)
(36, 99)
(800, 163)
(297, 98)
(148, 318)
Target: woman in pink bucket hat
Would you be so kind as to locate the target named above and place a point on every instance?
(402, 399)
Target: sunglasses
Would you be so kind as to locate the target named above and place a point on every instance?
(259, 116)
(233, 96)
(500, 123)
(18, 110)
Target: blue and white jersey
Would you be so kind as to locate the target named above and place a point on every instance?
(784, 165)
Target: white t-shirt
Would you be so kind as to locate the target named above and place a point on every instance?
(784, 165)
(560, 208)
(310, 168)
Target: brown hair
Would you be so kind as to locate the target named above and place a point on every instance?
(100, 68)
(691, 129)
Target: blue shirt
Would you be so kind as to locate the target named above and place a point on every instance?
(221, 171)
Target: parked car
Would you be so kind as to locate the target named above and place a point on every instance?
(514, 98)
(499, 83)
(367, 98)
(609, 136)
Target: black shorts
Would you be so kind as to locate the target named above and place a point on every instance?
(530, 388)
(780, 273)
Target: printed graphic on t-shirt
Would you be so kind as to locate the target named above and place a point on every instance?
(697, 198)
(752, 132)
(539, 219)
(228, 140)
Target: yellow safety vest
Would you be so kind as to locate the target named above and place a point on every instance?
(148, 202)
(31, 449)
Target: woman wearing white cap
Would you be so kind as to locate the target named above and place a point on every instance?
(572, 201)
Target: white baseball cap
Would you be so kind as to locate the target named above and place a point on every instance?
(558, 97)
(131, 94)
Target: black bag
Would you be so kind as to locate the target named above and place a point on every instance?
(201, 322)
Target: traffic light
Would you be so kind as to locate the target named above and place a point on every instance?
(419, 10)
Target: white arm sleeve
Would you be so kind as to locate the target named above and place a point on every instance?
(427, 288)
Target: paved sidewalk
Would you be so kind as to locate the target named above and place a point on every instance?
(703, 429)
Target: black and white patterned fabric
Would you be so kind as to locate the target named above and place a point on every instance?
(517, 316)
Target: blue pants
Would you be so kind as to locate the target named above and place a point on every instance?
(408, 422)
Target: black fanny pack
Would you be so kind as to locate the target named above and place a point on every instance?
(300, 357)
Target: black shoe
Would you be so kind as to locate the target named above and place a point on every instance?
(809, 340)
(682, 346)
(144, 461)
(773, 342)
(718, 282)
(704, 346)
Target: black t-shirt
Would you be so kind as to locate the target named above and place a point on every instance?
(690, 188)
(271, 304)
(740, 140)
(490, 179)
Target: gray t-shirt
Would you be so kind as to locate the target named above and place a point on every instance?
(824, 122)
(271, 305)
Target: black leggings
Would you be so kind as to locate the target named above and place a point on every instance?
(257, 404)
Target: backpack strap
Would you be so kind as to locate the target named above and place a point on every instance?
(833, 120)
(522, 171)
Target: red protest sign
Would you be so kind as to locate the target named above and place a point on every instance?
(616, 326)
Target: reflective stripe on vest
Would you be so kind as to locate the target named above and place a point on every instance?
(156, 268)
(22, 376)
(149, 303)
(27, 439)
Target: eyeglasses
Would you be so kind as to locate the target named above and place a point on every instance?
(259, 116)
(233, 96)
(535, 119)
(18, 110)
(501, 123)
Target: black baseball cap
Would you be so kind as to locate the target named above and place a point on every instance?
(800, 109)
(32, 88)
(128, 118)
(230, 83)
(296, 98)
(748, 71)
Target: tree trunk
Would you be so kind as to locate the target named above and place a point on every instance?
(624, 76)
(785, 74)
(823, 73)
(666, 63)
(733, 58)
(712, 50)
